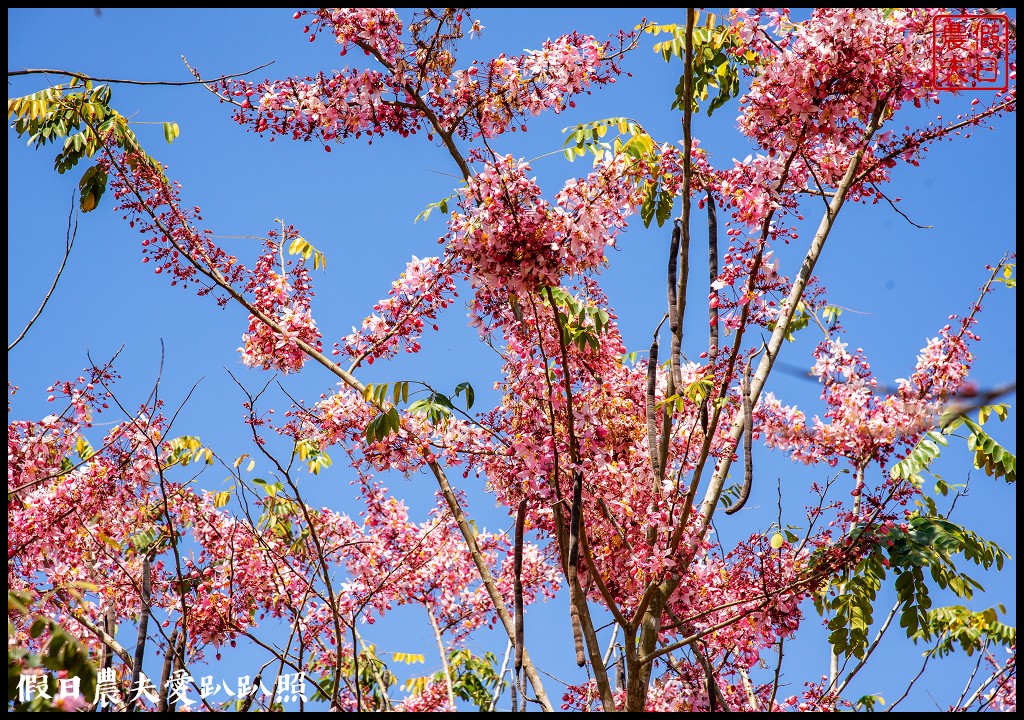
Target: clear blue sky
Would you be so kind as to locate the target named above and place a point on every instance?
(358, 203)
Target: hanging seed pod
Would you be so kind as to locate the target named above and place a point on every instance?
(748, 443)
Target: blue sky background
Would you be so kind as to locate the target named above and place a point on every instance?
(357, 204)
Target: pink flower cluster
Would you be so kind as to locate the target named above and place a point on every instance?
(512, 238)
(754, 187)
(416, 296)
(377, 28)
(76, 512)
(427, 564)
(820, 81)
(241, 573)
(338, 418)
(618, 494)
(509, 88)
(416, 87)
(287, 303)
(89, 526)
(335, 107)
(433, 698)
(830, 73)
(1003, 696)
(152, 204)
(862, 426)
(941, 369)
(189, 255)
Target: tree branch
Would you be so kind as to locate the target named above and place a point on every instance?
(69, 240)
(90, 78)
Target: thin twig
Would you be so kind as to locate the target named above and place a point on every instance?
(90, 78)
(901, 213)
(910, 685)
(611, 644)
(1011, 22)
(444, 659)
(871, 649)
(1009, 670)
(970, 681)
(714, 691)
(69, 240)
(778, 673)
(501, 677)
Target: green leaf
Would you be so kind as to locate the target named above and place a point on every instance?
(171, 131)
(371, 429)
(38, 626)
(469, 393)
(441, 205)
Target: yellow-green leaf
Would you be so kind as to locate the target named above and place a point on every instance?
(222, 498)
(171, 131)
(108, 540)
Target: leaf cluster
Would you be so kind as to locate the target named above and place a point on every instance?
(310, 453)
(800, 319)
(972, 631)
(186, 449)
(302, 246)
(696, 393)
(441, 205)
(929, 542)
(989, 455)
(1008, 278)
(61, 653)
(437, 406)
(633, 141)
(579, 323)
(473, 678)
(717, 57)
(278, 513)
(80, 114)
(374, 678)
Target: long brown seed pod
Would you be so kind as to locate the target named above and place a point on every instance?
(748, 442)
(712, 697)
(110, 627)
(165, 674)
(652, 428)
(518, 583)
(144, 612)
(574, 556)
(712, 308)
(712, 275)
(673, 303)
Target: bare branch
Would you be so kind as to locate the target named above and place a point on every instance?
(69, 240)
(901, 213)
(120, 81)
(444, 659)
(871, 649)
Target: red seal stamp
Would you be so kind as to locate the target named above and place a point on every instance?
(970, 52)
